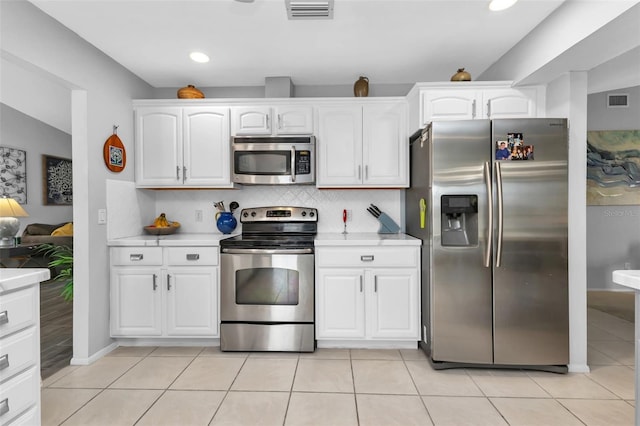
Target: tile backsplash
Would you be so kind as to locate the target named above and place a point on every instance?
(182, 205)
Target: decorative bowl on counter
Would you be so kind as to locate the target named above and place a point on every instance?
(161, 230)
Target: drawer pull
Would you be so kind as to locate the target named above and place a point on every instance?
(193, 256)
(136, 257)
(4, 406)
(168, 282)
(4, 317)
(368, 258)
(4, 361)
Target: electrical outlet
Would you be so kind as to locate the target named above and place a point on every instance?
(198, 215)
(627, 265)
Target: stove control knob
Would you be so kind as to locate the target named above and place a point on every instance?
(312, 214)
(304, 213)
(253, 214)
(245, 214)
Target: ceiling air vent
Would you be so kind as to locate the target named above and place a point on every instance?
(309, 9)
(617, 100)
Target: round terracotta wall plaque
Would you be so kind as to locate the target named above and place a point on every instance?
(115, 156)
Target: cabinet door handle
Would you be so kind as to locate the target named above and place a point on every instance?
(375, 284)
(177, 172)
(155, 282)
(361, 285)
(193, 256)
(184, 173)
(4, 406)
(473, 109)
(168, 281)
(4, 361)
(367, 258)
(279, 122)
(4, 317)
(268, 127)
(136, 257)
(489, 108)
(366, 172)
(359, 172)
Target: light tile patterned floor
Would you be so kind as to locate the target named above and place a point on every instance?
(203, 386)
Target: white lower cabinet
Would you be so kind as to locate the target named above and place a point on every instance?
(164, 292)
(379, 301)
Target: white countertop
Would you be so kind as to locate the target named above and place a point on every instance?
(365, 239)
(628, 278)
(193, 240)
(322, 239)
(15, 278)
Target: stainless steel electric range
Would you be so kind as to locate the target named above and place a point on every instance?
(267, 281)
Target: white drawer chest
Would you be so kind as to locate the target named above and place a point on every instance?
(20, 345)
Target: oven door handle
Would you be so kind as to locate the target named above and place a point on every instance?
(293, 164)
(267, 251)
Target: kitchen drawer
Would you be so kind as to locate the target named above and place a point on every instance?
(136, 256)
(29, 418)
(368, 257)
(192, 256)
(18, 310)
(19, 394)
(18, 352)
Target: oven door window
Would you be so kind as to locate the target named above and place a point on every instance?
(262, 162)
(267, 286)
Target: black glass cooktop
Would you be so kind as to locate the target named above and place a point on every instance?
(266, 241)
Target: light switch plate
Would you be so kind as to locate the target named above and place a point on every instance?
(102, 216)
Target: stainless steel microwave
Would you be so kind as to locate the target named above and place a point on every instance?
(274, 160)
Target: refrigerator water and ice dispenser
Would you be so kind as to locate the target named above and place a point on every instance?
(459, 222)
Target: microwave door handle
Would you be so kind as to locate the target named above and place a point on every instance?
(293, 164)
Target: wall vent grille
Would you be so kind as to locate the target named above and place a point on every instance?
(309, 9)
(617, 100)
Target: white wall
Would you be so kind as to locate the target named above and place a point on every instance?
(101, 92)
(36, 138)
(613, 232)
(298, 91)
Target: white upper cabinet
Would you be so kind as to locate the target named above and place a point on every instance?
(473, 100)
(272, 120)
(158, 146)
(182, 147)
(450, 105)
(362, 145)
(510, 103)
(207, 147)
(339, 146)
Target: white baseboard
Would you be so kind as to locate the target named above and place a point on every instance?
(93, 358)
(367, 344)
(579, 368)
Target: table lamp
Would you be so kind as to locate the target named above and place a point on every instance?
(10, 211)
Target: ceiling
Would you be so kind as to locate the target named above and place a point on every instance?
(389, 41)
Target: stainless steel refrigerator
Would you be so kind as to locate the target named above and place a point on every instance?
(489, 200)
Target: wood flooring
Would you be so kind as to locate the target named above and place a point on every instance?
(620, 304)
(56, 329)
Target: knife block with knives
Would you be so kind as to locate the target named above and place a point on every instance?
(387, 225)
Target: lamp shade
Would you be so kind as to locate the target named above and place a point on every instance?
(10, 208)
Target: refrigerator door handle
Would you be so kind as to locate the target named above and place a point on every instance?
(487, 181)
(500, 214)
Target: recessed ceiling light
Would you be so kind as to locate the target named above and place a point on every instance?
(496, 5)
(199, 57)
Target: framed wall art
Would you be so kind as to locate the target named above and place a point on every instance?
(613, 167)
(13, 174)
(57, 182)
